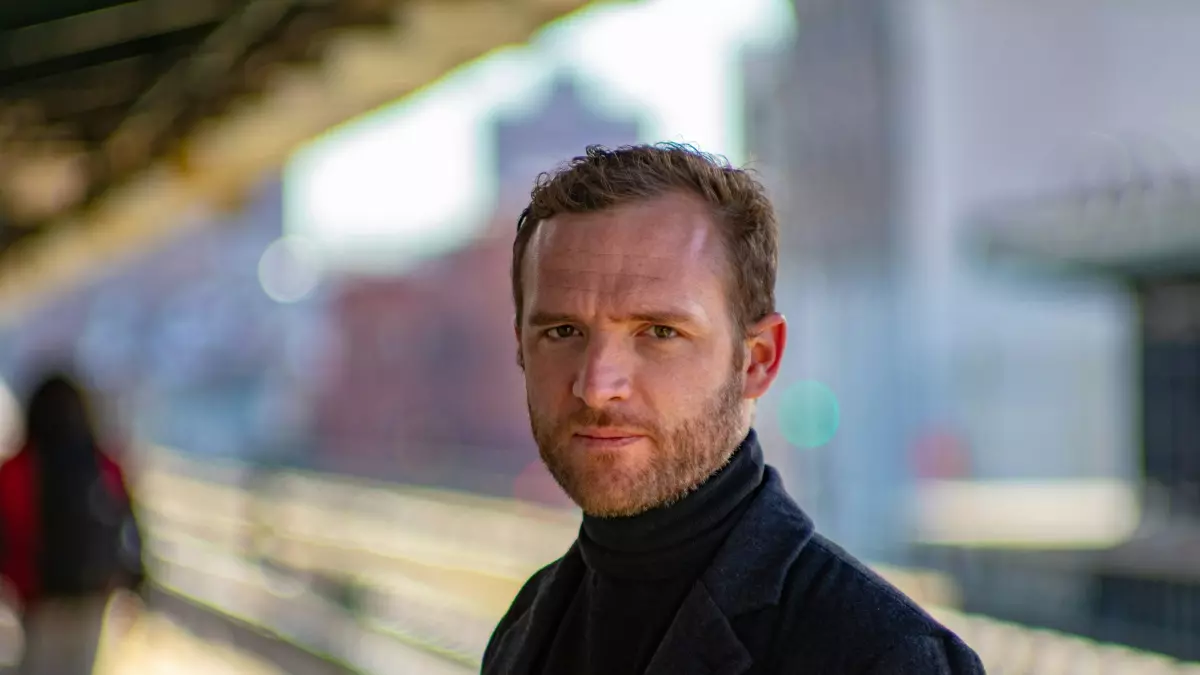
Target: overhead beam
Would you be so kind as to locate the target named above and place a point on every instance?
(104, 28)
(99, 86)
(160, 106)
(150, 44)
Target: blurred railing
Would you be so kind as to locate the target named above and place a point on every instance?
(377, 574)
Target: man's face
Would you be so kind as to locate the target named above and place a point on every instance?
(633, 374)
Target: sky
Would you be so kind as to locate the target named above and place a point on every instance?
(413, 178)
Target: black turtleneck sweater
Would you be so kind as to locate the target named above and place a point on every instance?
(640, 569)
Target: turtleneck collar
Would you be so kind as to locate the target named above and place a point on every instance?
(682, 537)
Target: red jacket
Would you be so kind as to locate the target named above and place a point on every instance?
(20, 526)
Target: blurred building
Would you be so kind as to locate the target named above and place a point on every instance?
(822, 127)
(558, 128)
(889, 129)
(428, 390)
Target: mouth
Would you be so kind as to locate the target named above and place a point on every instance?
(607, 438)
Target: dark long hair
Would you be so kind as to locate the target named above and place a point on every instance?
(60, 434)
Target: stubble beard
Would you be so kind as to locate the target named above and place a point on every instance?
(682, 459)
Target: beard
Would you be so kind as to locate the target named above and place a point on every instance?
(683, 456)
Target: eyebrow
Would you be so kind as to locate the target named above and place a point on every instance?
(550, 319)
(665, 317)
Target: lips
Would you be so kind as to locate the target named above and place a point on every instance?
(607, 434)
(607, 438)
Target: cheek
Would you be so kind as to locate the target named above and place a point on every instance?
(687, 385)
(547, 373)
(690, 364)
(675, 383)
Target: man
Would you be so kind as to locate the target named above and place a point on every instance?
(644, 280)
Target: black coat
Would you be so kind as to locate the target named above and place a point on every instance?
(777, 599)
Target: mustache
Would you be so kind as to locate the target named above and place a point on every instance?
(591, 417)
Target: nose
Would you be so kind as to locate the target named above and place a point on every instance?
(604, 376)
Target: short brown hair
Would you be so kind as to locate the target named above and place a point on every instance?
(603, 178)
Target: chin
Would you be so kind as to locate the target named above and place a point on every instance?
(612, 507)
(609, 493)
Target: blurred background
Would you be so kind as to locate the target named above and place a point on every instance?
(274, 237)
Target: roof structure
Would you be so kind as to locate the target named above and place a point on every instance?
(93, 91)
(118, 118)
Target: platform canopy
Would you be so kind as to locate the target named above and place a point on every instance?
(1137, 230)
(117, 119)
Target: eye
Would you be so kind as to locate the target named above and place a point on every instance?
(561, 332)
(664, 332)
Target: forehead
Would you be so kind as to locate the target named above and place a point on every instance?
(662, 249)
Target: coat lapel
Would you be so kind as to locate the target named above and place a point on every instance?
(700, 641)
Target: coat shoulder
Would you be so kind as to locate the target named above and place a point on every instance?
(525, 597)
(837, 615)
(520, 606)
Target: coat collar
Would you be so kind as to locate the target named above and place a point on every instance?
(748, 573)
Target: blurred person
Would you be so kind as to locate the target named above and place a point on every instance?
(68, 537)
(643, 279)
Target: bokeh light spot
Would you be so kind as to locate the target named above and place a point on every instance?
(809, 414)
(288, 270)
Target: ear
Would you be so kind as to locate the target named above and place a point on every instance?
(520, 352)
(764, 346)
